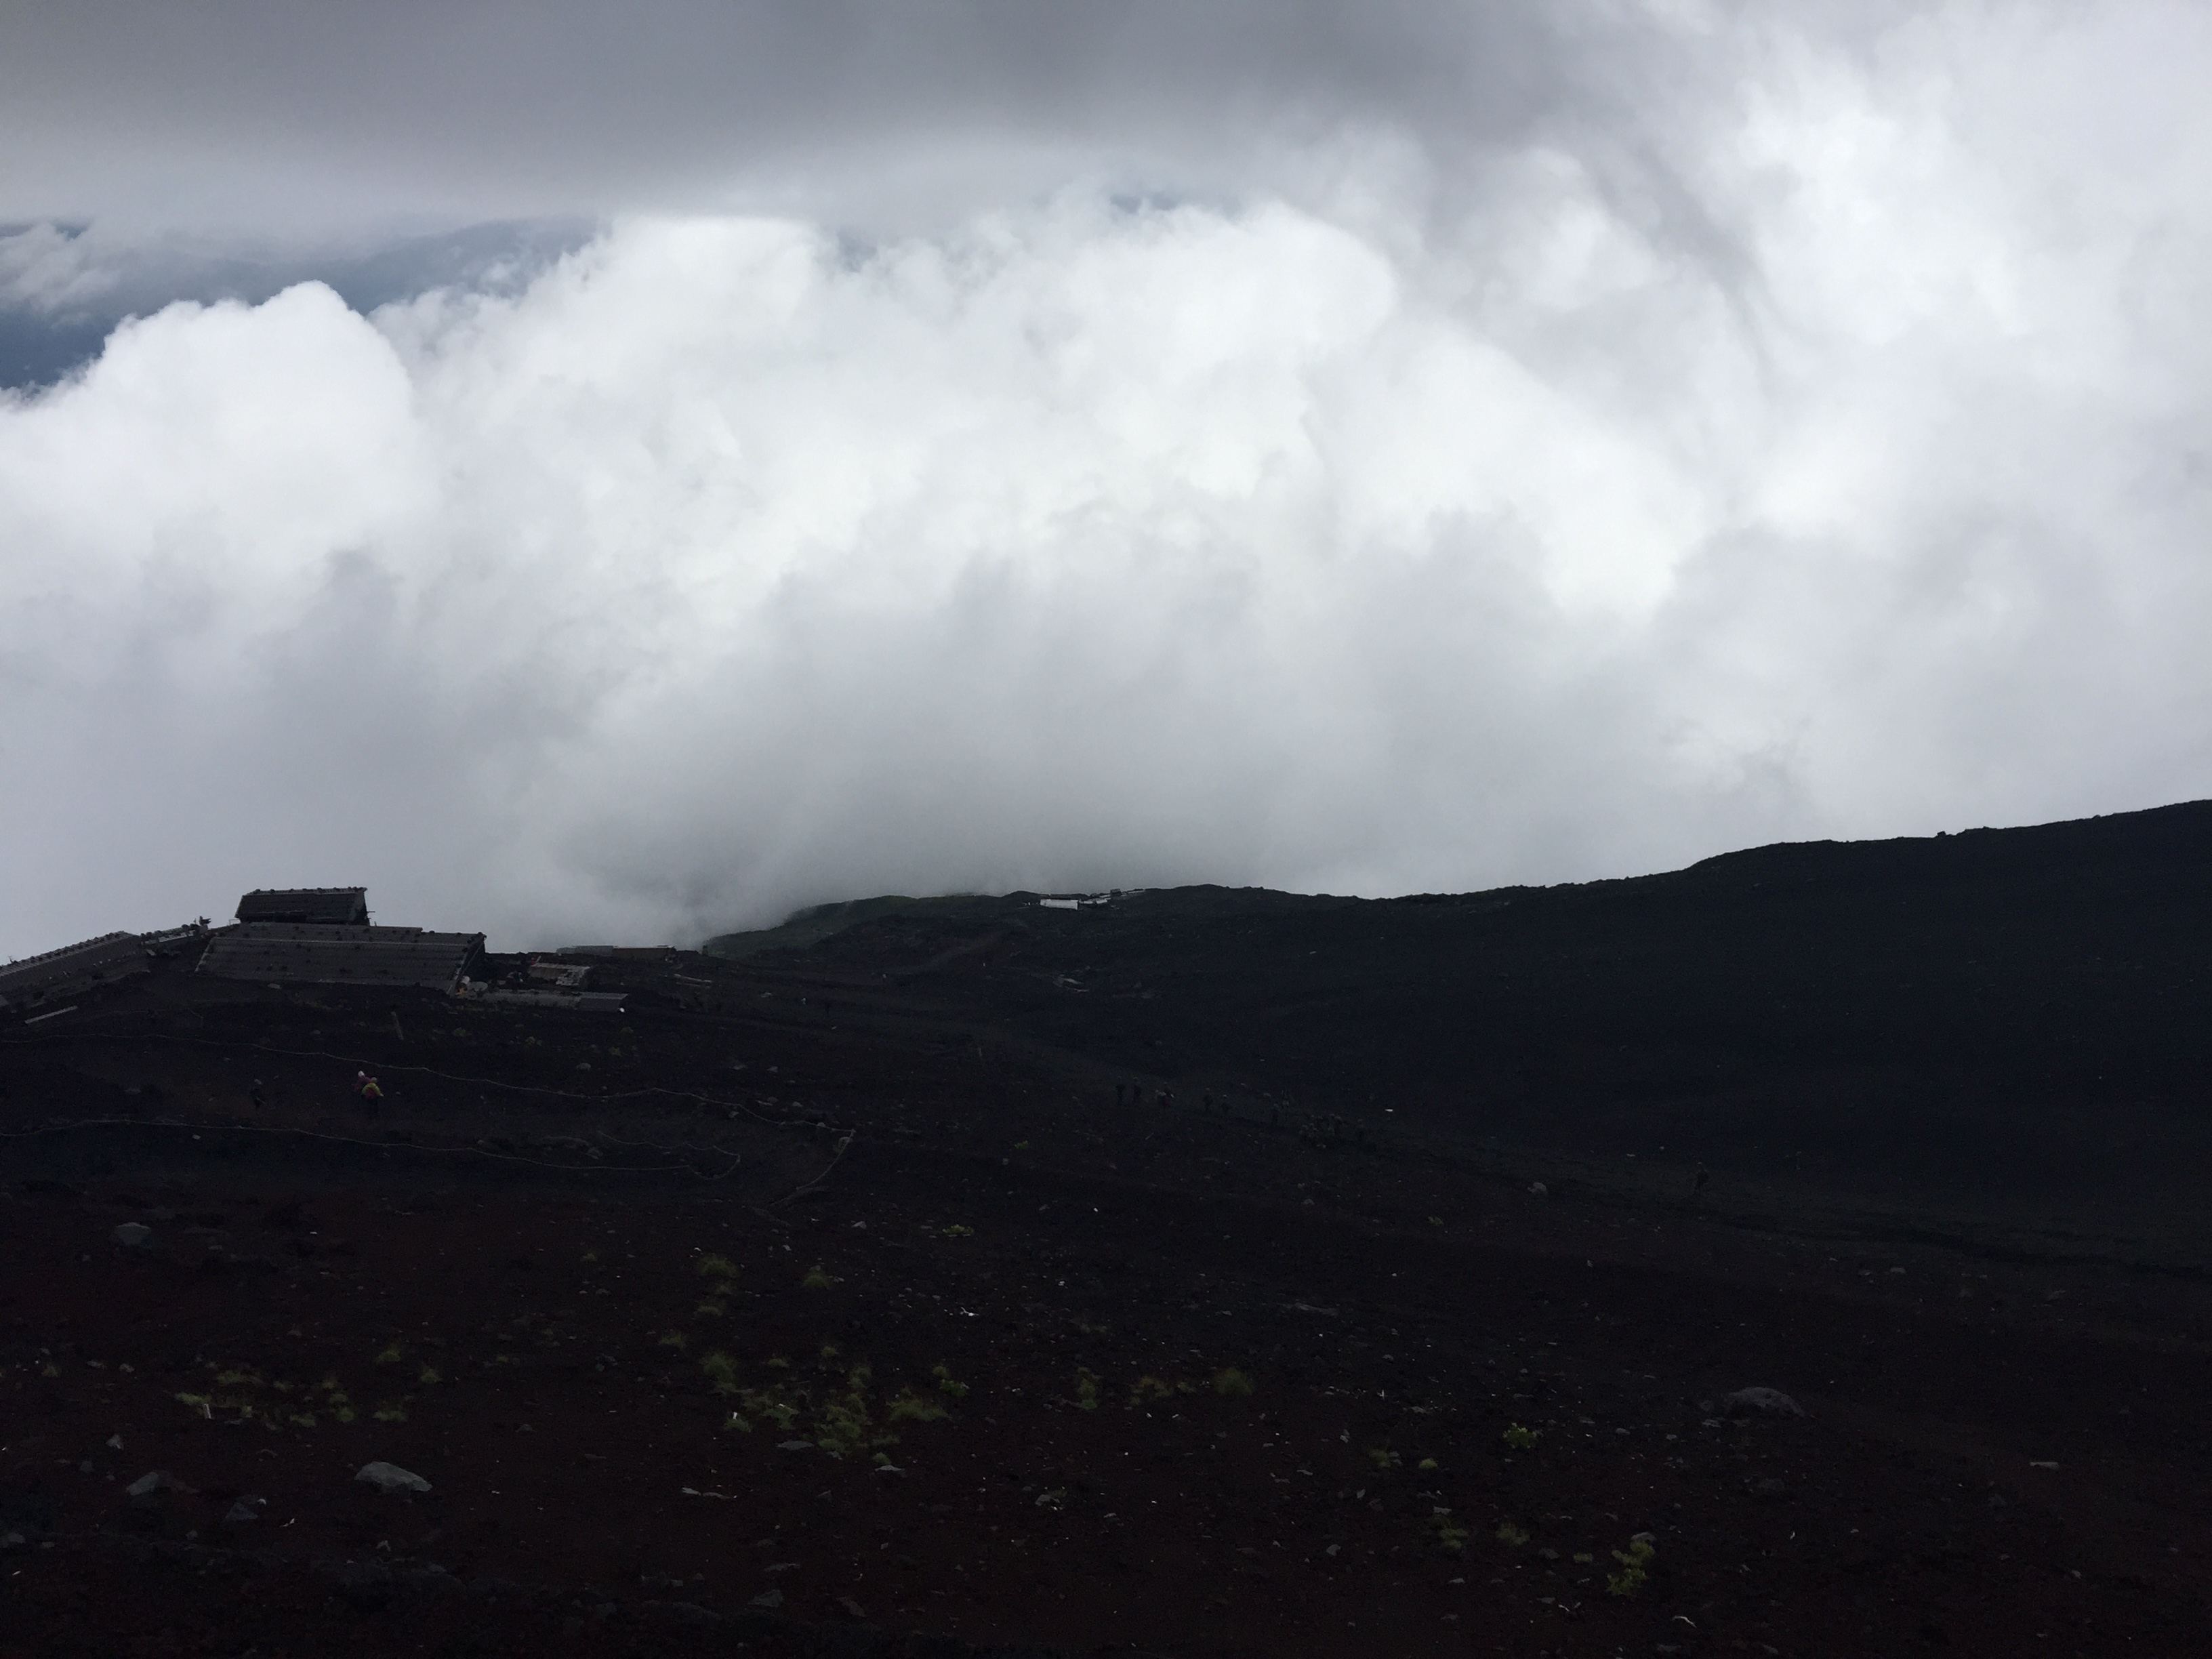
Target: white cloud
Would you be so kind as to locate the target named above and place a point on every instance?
(1393, 529)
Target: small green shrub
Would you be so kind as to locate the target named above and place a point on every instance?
(1086, 1391)
(427, 1375)
(390, 1356)
(1633, 1562)
(1425, 1465)
(1149, 1389)
(1383, 1457)
(1233, 1384)
(1512, 1536)
(716, 1267)
(1521, 1439)
(946, 1384)
(721, 1371)
(842, 1425)
(1450, 1535)
(956, 1230)
(392, 1411)
(816, 1279)
(771, 1404)
(910, 1407)
(677, 1340)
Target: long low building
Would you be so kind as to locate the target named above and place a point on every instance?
(71, 968)
(299, 953)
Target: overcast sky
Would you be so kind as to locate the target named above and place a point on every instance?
(622, 472)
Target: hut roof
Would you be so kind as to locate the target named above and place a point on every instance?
(294, 953)
(339, 906)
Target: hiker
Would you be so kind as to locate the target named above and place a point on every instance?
(254, 1095)
(365, 1085)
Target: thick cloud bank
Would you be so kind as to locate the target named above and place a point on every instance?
(1432, 524)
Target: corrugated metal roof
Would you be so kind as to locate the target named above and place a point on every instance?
(341, 906)
(292, 953)
(104, 957)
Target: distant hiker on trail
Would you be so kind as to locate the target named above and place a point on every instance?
(365, 1085)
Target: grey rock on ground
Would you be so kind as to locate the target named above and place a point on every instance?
(795, 1445)
(248, 1508)
(136, 1235)
(1763, 1403)
(391, 1478)
(770, 1598)
(154, 1480)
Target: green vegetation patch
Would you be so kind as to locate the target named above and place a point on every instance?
(1635, 1561)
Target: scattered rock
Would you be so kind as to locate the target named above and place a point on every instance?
(115, 1442)
(388, 1477)
(768, 1598)
(133, 1234)
(680, 1613)
(1540, 1190)
(1770, 1487)
(246, 1509)
(156, 1480)
(13, 1541)
(853, 1609)
(1763, 1403)
(795, 1445)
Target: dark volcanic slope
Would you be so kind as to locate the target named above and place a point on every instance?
(845, 1300)
(2013, 1016)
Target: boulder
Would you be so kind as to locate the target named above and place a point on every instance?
(389, 1478)
(153, 1481)
(1762, 1402)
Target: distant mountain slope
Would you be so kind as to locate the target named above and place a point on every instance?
(2000, 1009)
(818, 923)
